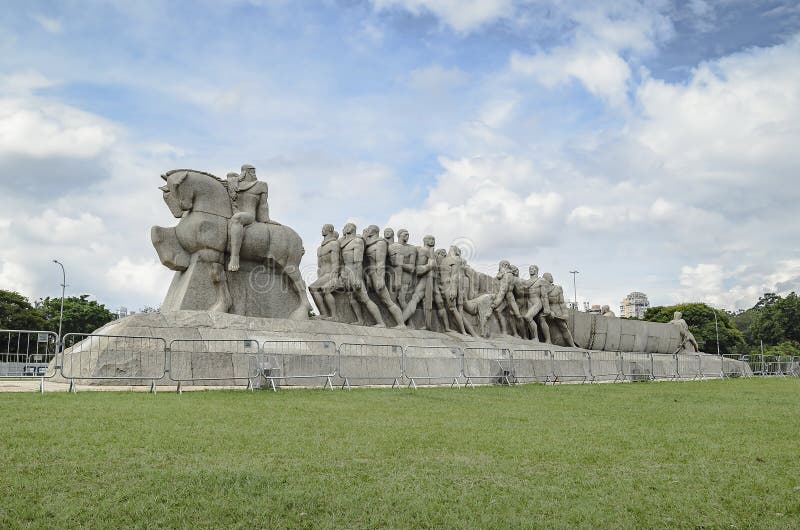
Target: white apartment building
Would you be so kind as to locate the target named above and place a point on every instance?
(634, 305)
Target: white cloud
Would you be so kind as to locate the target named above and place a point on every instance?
(602, 72)
(735, 120)
(49, 24)
(15, 277)
(436, 79)
(52, 227)
(41, 128)
(487, 201)
(461, 15)
(146, 277)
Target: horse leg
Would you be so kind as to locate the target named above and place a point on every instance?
(224, 300)
(301, 313)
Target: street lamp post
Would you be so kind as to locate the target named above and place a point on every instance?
(575, 288)
(716, 328)
(63, 288)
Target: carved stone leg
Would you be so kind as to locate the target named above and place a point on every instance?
(372, 308)
(330, 301)
(224, 300)
(303, 308)
(545, 329)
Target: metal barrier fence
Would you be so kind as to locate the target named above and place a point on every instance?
(531, 365)
(113, 357)
(636, 366)
(140, 360)
(665, 366)
(478, 362)
(570, 366)
(303, 360)
(28, 353)
(353, 362)
(604, 364)
(689, 366)
(446, 365)
(192, 360)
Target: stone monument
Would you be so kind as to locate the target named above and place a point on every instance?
(237, 281)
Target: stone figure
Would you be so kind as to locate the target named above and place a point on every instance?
(391, 284)
(606, 311)
(687, 339)
(504, 298)
(205, 209)
(558, 308)
(328, 265)
(449, 274)
(249, 203)
(403, 261)
(424, 291)
(352, 275)
(538, 305)
(375, 272)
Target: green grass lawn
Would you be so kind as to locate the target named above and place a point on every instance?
(701, 454)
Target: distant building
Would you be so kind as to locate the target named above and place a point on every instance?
(634, 305)
(593, 309)
(122, 312)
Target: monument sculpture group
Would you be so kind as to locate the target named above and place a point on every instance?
(387, 308)
(231, 257)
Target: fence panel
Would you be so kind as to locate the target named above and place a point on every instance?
(603, 365)
(219, 361)
(433, 364)
(299, 362)
(570, 366)
(531, 365)
(129, 360)
(492, 364)
(636, 366)
(689, 366)
(732, 368)
(665, 366)
(711, 366)
(369, 364)
(28, 353)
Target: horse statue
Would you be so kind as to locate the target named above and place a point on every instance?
(202, 203)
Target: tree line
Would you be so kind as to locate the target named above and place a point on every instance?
(81, 315)
(773, 320)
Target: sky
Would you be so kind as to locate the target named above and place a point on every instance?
(650, 145)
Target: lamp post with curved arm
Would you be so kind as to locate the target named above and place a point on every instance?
(63, 288)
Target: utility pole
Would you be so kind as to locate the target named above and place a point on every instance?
(716, 328)
(63, 288)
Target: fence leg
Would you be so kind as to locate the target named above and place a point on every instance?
(72, 388)
(41, 386)
(249, 384)
(272, 382)
(153, 386)
(411, 383)
(468, 382)
(455, 382)
(328, 382)
(180, 388)
(395, 383)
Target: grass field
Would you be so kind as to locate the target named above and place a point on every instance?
(702, 454)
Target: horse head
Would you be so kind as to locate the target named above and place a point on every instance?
(177, 202)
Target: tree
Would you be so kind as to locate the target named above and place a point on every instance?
(700, 318)
(81, 315)
(16, 312)
(775, 319)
